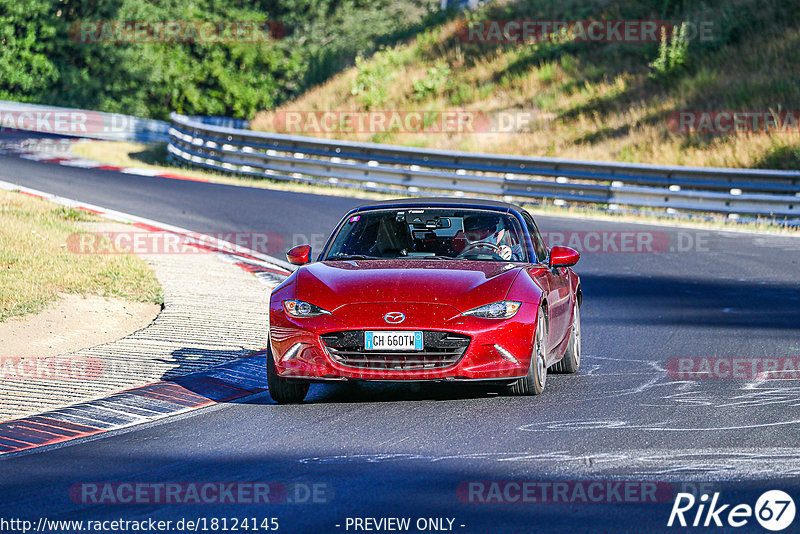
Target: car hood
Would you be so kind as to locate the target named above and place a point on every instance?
(461, 284)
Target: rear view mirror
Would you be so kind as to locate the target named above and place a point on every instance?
(563, 257)
(299, 255)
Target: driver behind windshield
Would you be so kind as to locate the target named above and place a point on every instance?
(479, 236)
(487, 233)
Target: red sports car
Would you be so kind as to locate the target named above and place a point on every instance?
(422, 290)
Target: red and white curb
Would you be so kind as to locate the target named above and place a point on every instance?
(233, 380)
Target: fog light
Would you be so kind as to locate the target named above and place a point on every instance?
(505, 354)
(292, 352)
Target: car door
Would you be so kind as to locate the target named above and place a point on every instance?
(557, 287)
(560, 304)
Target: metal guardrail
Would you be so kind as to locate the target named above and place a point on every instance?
(226, 122)
(413, 170)
(59, 121)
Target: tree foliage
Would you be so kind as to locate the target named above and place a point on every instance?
(40, 61)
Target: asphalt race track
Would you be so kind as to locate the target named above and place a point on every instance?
(382, 451)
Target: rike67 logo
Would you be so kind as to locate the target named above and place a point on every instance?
(774, 510)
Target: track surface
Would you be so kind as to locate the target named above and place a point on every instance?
(402, 451)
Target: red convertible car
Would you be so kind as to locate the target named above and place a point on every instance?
(422, 290)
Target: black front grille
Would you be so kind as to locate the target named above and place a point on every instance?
(442, 350)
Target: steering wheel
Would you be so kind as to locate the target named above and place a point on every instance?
(491, 247)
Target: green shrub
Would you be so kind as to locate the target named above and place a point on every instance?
(373, 77)
(433, 83)
(462, 94)
(673, 53)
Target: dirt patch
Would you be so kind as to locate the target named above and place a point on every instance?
(74, 322)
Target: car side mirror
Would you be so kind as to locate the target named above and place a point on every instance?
(563, 257)
(299, 255)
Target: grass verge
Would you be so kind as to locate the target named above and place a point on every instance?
(36, 264)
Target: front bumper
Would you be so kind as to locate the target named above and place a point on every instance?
(302, 347)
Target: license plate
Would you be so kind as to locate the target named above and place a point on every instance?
(393, 341)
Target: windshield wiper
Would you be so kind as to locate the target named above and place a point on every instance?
(345, 257)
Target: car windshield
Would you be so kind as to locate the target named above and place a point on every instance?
(434, 233)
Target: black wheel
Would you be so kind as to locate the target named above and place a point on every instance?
(281, 390)
(533, 383)
(572, 357)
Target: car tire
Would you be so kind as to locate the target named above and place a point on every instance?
(572, 356)
(281, 390)
(533, 383)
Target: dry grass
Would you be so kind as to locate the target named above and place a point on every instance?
(590, 102)
(36, 264)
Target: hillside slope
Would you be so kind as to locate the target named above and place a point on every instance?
(592, 100)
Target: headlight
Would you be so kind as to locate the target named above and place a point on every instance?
(299, 308)
(504, 309)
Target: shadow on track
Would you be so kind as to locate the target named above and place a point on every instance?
(703, 303)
